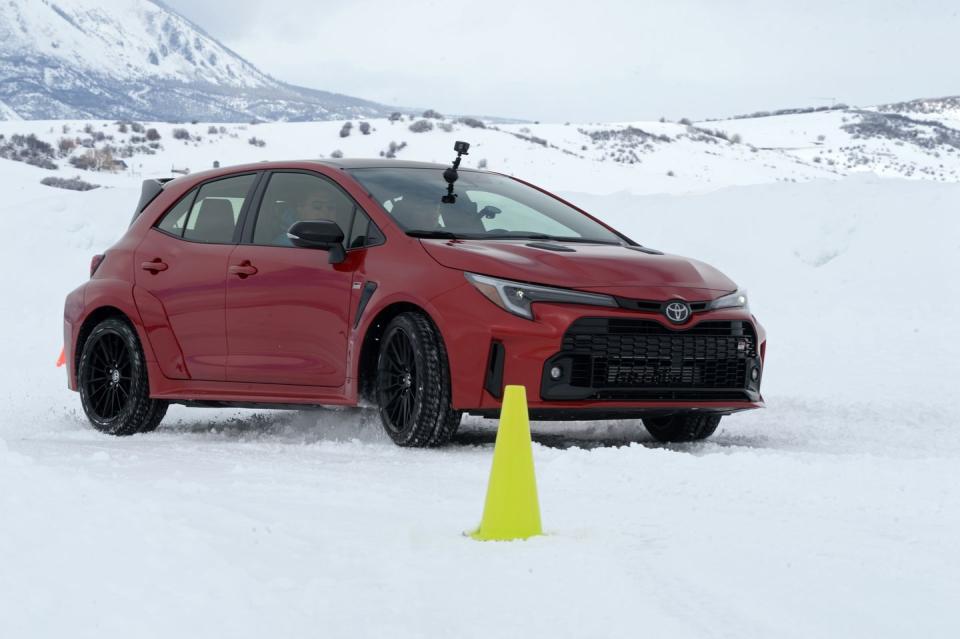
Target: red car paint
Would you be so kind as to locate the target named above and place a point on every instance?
(258, 324)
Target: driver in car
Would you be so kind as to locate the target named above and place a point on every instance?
(425, 212)
(311, 206)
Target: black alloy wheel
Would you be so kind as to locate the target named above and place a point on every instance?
(399, 392)
(112, 379)
(413, 386)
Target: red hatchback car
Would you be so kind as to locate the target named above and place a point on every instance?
(421, 289)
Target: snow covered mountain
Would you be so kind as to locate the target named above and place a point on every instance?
(139, 59)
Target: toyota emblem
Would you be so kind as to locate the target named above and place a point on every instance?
(677, 312)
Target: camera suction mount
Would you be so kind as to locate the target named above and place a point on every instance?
(450, 175)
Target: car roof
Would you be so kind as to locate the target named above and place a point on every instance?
(343, 164)
(379, 163)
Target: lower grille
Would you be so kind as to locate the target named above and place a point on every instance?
(605, 358)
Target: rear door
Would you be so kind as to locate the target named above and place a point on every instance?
(181, 268)
(287, 307)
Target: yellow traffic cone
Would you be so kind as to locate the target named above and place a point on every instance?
(512, 510)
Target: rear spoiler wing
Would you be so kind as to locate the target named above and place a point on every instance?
(148, 193)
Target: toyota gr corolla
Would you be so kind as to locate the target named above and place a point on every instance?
(421, 288)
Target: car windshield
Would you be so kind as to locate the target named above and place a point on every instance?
(488, 206)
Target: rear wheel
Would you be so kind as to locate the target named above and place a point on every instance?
(413, 383)
(682, 428)
(112, 378)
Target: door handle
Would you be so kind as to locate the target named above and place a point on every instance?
(243, 270)
(155, 266)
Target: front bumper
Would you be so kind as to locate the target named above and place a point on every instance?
(489, 348)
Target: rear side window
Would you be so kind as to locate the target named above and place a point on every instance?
(175, 219)
(214, 214)
(209, 214)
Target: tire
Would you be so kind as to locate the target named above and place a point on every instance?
(112, 378)
(682, 428)
(413, 384)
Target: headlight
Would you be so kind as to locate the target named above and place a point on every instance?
(737, 299)
(517, 297)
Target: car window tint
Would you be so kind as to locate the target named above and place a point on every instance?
(294, 197)
(214, 214)
(486, 205)
(364, 232)
(498, 212)
(175, 220)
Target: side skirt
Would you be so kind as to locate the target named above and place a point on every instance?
(243, 394)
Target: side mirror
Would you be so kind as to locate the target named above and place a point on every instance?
(325, 235)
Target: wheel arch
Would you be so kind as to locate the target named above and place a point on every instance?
(93, 318)
(370, 346)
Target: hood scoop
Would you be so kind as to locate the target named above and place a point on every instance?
(560, 248)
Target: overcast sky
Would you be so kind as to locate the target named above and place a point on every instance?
(599, 60)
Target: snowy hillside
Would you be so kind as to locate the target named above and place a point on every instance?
(559, 156)
(639, 157)
(945, 110)
(139, 59)
(834, 512)
(854, 140)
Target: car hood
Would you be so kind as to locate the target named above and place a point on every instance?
(615, 270)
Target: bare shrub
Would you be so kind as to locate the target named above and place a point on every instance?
(473, 123)
(393, 149)
(421, 126)
(66, 146)
(72, 184)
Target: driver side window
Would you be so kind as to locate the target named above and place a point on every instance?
(294, 197)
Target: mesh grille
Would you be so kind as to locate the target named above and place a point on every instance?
(615, 354)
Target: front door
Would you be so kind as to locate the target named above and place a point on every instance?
(181, 268)
(287, 308)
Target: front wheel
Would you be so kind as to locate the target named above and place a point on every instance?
(413, 383)
(112, 378)
(682, 428)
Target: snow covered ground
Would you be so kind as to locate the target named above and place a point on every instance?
(835, 512)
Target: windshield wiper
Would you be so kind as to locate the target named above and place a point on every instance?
(524, 235)
(433, 235)
(585, 240)
(516, 235)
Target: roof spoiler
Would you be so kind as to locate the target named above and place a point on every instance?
(148, 193)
